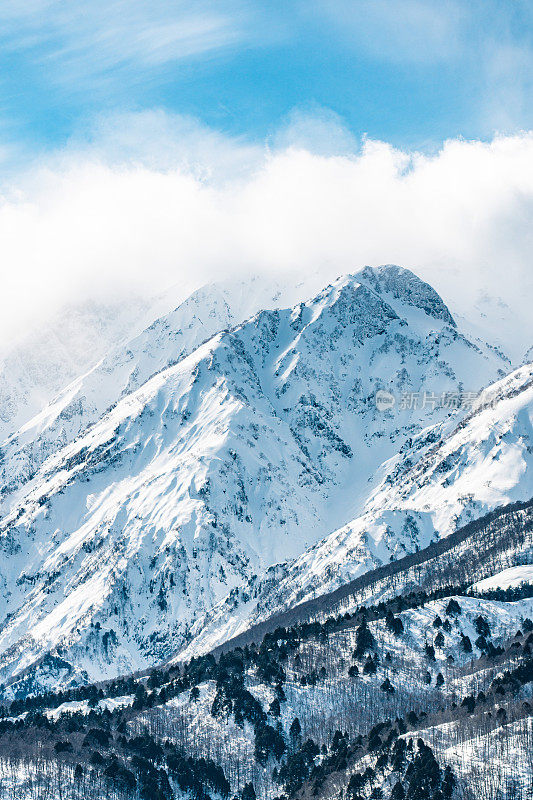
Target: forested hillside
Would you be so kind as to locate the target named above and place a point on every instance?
(409, 683)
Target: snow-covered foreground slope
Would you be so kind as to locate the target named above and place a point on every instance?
(449, 474)
(327, 688)
(256, 445)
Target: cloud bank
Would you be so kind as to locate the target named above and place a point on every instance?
(152, 199)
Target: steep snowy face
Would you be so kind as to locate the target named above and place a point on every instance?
(242, 454)
(452, 472)
(463, 468)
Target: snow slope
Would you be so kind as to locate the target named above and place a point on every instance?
(34, 368)
(506, 579)
(124, 368)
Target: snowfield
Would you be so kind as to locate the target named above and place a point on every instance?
(506, 579)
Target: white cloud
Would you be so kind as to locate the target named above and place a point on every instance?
(316, 129)
(170, 202)
(80, 43)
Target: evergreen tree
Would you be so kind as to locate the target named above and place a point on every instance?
(453, 609)
(398, 792)
(248, 792)
(370, 666)
(430, 651)
(274, 709)
(364, 640)
(268, 741)
(194, 694)
(423, 775)
(295, 731)
(482, 626)
(448, 783)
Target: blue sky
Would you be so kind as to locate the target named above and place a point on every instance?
(409, 72)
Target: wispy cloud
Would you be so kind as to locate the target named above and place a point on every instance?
(509, 85)
(405, 70)
(77, 40)
(407, 31)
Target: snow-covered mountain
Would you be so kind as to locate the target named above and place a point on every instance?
(187, 464)
(489, 318)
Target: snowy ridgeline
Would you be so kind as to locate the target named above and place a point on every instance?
(506, 579)
(483, 549)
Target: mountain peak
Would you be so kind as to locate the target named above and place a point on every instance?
(407, 287)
